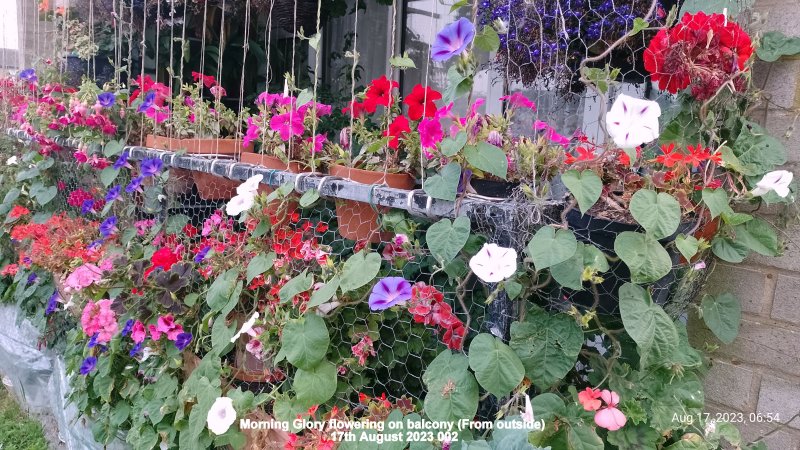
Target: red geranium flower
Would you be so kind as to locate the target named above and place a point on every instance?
(397, 129)
(163, 258)
(703, 51)
(420, 102)
(18, 211)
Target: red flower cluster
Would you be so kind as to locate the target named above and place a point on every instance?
(427, 305)
(61, 238)
(18, 211)
(696, 155)
(379, 93)
(420, 102)
(704, 51)
(163, 258)
(208, 80)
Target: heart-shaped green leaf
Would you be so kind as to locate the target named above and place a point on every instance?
(445, 239)
(658, 213)
(444, 185)
(585, 186)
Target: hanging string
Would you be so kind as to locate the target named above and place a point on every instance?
(353, 82)
(294, 79)
(92, 61)
(431, 27)
(317, 57)
(170, 69)
(245, 49)
(222, 45)
(391, 77)
(183, 43)
(144, 50)
(268, 45)
(157, 49)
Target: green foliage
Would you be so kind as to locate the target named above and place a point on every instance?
(18, 432)
(446, 239)
(644, 255)
(585, 186)
(497, 368)
(444, 185)
(722, 314)
(658, 213)
(775, 45)
(487, 158)
(358, 270)
(547, 344)
(452, 389)
(648, 325)
(550, 247)
(305, 341)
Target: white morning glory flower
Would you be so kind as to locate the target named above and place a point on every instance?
(221, 415)
(778, 181)
(527, 415)
(494, 263)
(632, 122)
(249, 185)
(246, 327)
(240, 203)
(12, 161)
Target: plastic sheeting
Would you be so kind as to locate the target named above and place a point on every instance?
(38, 379)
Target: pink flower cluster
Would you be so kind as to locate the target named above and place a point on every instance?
(363, 349)
(165, 325)
(98, 318)
(83, 277)
(608, 416)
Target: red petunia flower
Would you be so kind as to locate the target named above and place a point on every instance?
(208, 80)
(379, 93)
(420, 102)
(398, 128)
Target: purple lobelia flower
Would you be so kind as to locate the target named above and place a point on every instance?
(201, 255)
(108, 226)
(122, 159)
(134, 185)
(151, 167)
(126, 330)
(452, 40)
(113, 193)
(106, 99)
(149, 98)
(88, 365)
(28, 75)
(87, 207)
(183, 340)
(52, 304)
(93, 340)
(389, 292)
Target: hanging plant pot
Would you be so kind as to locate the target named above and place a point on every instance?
(602, 234)
(291, 15)
(493, 188)
(357, 220)
(280, 211)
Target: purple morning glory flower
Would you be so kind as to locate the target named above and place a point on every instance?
(389, 292)
(452, 40)
(135, 349)
(126, 330)
(151, 167)
(95, 244)
(106, 99)
(134, 184)
(28, 75)
(149, 98)
(122, 159)
(466, 175)
(201, 255)
(108, 226)
(87, 206)
(88, 365)
(183, 340)
(93, 340)
(52, 304)
(27, 260)
(113, 193)
(31, 278)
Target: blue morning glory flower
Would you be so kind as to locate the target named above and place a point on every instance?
(149, 98)
(93, 340)
(201, 255)
(113, 193)
(28, 75)
(88, 365)
(135, 349)
(32, 277)
(452, 40)
(134, 184)
(52, 304)
(87, 206)
(108, 226)
(151, 167)
(122, 159)
(183, 340)
(126, 330)
(106, 99)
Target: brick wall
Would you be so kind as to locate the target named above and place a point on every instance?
(760, 370)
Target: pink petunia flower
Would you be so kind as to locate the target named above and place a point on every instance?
(287, 124)
(430, 133)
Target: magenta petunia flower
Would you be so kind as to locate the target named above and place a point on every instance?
(452, 40)
(287, 124)
(388, 292)
(430, 133)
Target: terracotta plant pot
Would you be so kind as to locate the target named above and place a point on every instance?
(357, 220)
(209, 186)
(280, 211)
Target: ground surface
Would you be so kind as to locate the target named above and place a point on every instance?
(20, 432)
